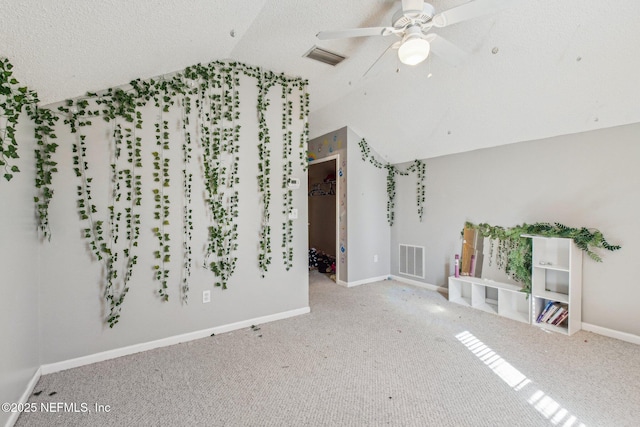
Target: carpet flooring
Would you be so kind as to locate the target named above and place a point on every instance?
(381, 354)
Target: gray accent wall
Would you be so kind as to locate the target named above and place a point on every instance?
(369, 231)
(19, 261)
(587, 179)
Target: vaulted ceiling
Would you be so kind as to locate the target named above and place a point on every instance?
(535, 69)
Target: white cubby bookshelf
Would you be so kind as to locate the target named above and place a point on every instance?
(556, 276)
(511, 302)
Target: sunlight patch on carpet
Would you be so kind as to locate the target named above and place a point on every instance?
(544, 404)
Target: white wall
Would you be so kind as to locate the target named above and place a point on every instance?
(73, 308)
(589, 179)
(369, 232)
(19, 260)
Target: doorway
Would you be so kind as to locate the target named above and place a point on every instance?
(323, 215)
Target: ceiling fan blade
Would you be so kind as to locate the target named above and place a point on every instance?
(412, 8)
(395, 45)
(467, 11)
(355, 32)
(446, 50)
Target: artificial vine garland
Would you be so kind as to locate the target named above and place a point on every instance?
(115, 106)
(13, 98)
(513, 254)
(45, 166)
(418, 167)
(220, 136)
(187, 211)
(287, 173)
(160, 197)
(113, 235)
(265, 82)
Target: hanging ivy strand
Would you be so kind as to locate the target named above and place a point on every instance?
(13, 98)
(265, 81)
(513, 254)
(418, 167)
(44, 120)
(287, 175)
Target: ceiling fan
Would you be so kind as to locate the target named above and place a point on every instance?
(412, 23)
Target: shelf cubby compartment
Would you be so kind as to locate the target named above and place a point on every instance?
(480, 301)
(460, 292)
(551, 252)
(514, 305)
(503, 299)
(539, 305)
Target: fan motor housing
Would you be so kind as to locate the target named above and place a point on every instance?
(401, 20)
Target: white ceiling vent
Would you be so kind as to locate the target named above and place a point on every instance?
(325, 56)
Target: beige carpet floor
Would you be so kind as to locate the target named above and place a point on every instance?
(382, 354)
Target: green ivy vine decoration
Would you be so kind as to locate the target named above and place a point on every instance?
(265, 81)
(304, 116)
(161, 199)
(13, 98)
(418, 167)
(287, 174)
(219, 112)
(113, 235)
(44, 121)
(125, 195)
(187, 181)
(514, 251)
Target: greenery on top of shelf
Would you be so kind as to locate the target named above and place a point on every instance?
(513, 254)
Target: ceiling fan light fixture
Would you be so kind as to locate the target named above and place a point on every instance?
(413, 50)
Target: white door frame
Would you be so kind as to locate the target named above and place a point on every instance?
(335, 157)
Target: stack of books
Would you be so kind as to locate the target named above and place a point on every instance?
(554, 313)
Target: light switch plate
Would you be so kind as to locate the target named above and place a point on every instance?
(294, 183)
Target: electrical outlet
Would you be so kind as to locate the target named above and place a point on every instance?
(206, 297)
(375, 258)
(293, 214)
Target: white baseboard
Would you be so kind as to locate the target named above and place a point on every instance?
(25, 397)
(421, 284)
(361, 282)
(164, 342)
(611, 333)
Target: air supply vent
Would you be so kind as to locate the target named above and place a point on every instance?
(325, 56)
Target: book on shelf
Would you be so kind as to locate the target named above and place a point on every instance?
(561, 318)
(553, 313)
(544, 311)
(557, 314)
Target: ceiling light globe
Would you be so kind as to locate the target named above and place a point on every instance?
(413, 51)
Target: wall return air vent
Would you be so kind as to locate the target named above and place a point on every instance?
(325, 56)
(411, 261)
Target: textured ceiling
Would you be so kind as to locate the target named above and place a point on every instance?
(560, 66)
